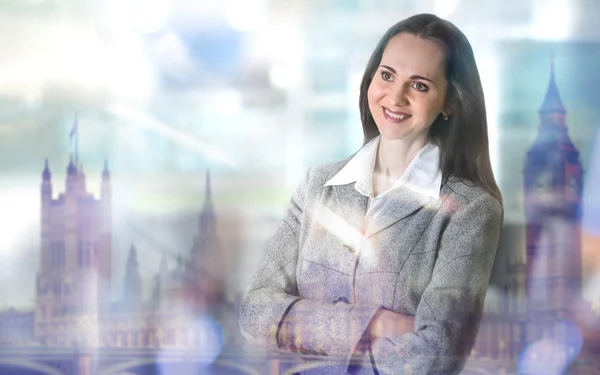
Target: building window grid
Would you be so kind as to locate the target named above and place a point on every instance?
(57, 255)
(87, 252)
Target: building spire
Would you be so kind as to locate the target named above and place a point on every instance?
(208, 191)
(552, 102)
(132, 283)
(71, 168)
(132, 262)
(105, 171)
(207, 213)
(46, 174)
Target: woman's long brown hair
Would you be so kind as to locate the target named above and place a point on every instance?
(463, 138)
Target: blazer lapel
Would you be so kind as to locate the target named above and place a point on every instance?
(351, 204)
(403, 204)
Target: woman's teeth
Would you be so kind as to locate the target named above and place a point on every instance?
(401, 116)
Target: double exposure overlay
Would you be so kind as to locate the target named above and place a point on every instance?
(148, 149)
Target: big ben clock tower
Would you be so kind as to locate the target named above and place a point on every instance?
(553, 184)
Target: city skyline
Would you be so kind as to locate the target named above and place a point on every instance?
(159, 203)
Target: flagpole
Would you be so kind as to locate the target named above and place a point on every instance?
(77, 147)
(76, 125)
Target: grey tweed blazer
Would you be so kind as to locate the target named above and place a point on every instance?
(430, 259)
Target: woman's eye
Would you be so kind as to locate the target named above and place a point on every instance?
(420, 86)
(386, 76)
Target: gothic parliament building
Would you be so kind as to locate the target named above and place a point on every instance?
(73, 284)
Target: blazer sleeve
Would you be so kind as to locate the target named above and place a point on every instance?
(272, 300)
(448, 315)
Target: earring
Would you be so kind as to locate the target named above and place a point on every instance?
(445, 116)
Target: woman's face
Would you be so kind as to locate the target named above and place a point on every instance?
(408, 90)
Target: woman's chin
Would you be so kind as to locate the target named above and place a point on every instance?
(401, 131)
(393, 134)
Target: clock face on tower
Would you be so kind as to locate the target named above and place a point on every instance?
(541, 192)
(542, 183)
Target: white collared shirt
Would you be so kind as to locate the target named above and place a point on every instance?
(422, 176)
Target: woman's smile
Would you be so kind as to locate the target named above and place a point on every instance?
(395, 116)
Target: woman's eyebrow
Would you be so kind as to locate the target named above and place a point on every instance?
(414, 76)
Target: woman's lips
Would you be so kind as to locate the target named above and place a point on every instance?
(395, 116)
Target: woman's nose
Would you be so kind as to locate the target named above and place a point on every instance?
(399, 95)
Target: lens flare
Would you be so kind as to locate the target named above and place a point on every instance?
(207, 345)
(554, 355)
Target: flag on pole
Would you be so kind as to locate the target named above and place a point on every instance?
(73, 131)
(73, 138)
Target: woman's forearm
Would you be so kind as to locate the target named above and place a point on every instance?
(389, 324)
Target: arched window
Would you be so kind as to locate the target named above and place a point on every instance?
(516, 297)
(80, 254)
(61, 255)
(87, 254)
(53, 255)
(507, 299)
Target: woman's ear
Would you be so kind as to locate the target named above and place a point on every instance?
(450, 106)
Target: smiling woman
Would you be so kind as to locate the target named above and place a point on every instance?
(409, 88)
(382, 260)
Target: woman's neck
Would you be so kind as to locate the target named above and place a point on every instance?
(394, 156)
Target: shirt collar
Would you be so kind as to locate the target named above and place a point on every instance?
(422, 175)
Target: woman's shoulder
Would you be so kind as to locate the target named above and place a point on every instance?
(465, 192)
(319, 174)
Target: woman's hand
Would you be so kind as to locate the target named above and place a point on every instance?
(387, 323)
(291, 332)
